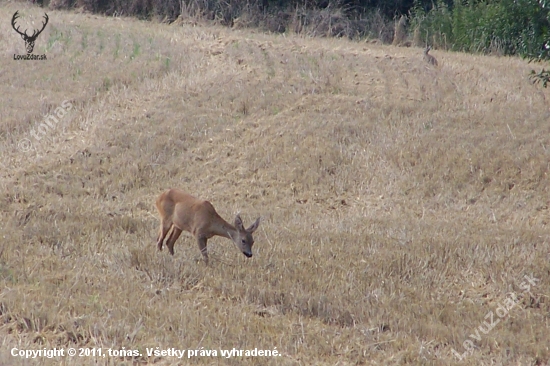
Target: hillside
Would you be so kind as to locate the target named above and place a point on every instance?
(401, 204)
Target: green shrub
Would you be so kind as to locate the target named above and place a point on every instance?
(506, 27)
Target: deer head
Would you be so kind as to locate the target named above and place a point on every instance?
(29, 40)
(244, 239)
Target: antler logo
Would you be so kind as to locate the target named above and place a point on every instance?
(29, 40)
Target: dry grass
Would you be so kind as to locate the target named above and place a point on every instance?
(401, 203)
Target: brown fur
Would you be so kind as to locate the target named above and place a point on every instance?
(429, 58)
(180, 211)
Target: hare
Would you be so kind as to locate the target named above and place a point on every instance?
(429, 58)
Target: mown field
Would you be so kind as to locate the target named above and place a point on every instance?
(402, 204)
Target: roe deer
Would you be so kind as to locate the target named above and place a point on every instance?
(429, 58)
(180, 211)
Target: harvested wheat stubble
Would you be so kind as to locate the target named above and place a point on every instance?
(400, 203)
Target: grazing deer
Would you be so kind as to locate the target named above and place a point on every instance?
(180, 211)
(429, 58)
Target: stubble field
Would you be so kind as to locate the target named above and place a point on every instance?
(402, 205)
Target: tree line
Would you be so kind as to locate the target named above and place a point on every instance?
(503, 27)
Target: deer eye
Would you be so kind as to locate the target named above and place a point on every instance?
(243, 241)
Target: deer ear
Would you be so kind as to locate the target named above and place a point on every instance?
(254, 226)
(239, 223)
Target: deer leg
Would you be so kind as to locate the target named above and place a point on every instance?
(174, 235)
(202, 246)
(164, 228)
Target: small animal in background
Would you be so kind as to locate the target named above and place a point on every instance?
(180, 211)
(429, 58)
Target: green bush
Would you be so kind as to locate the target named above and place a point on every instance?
(506, 27)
